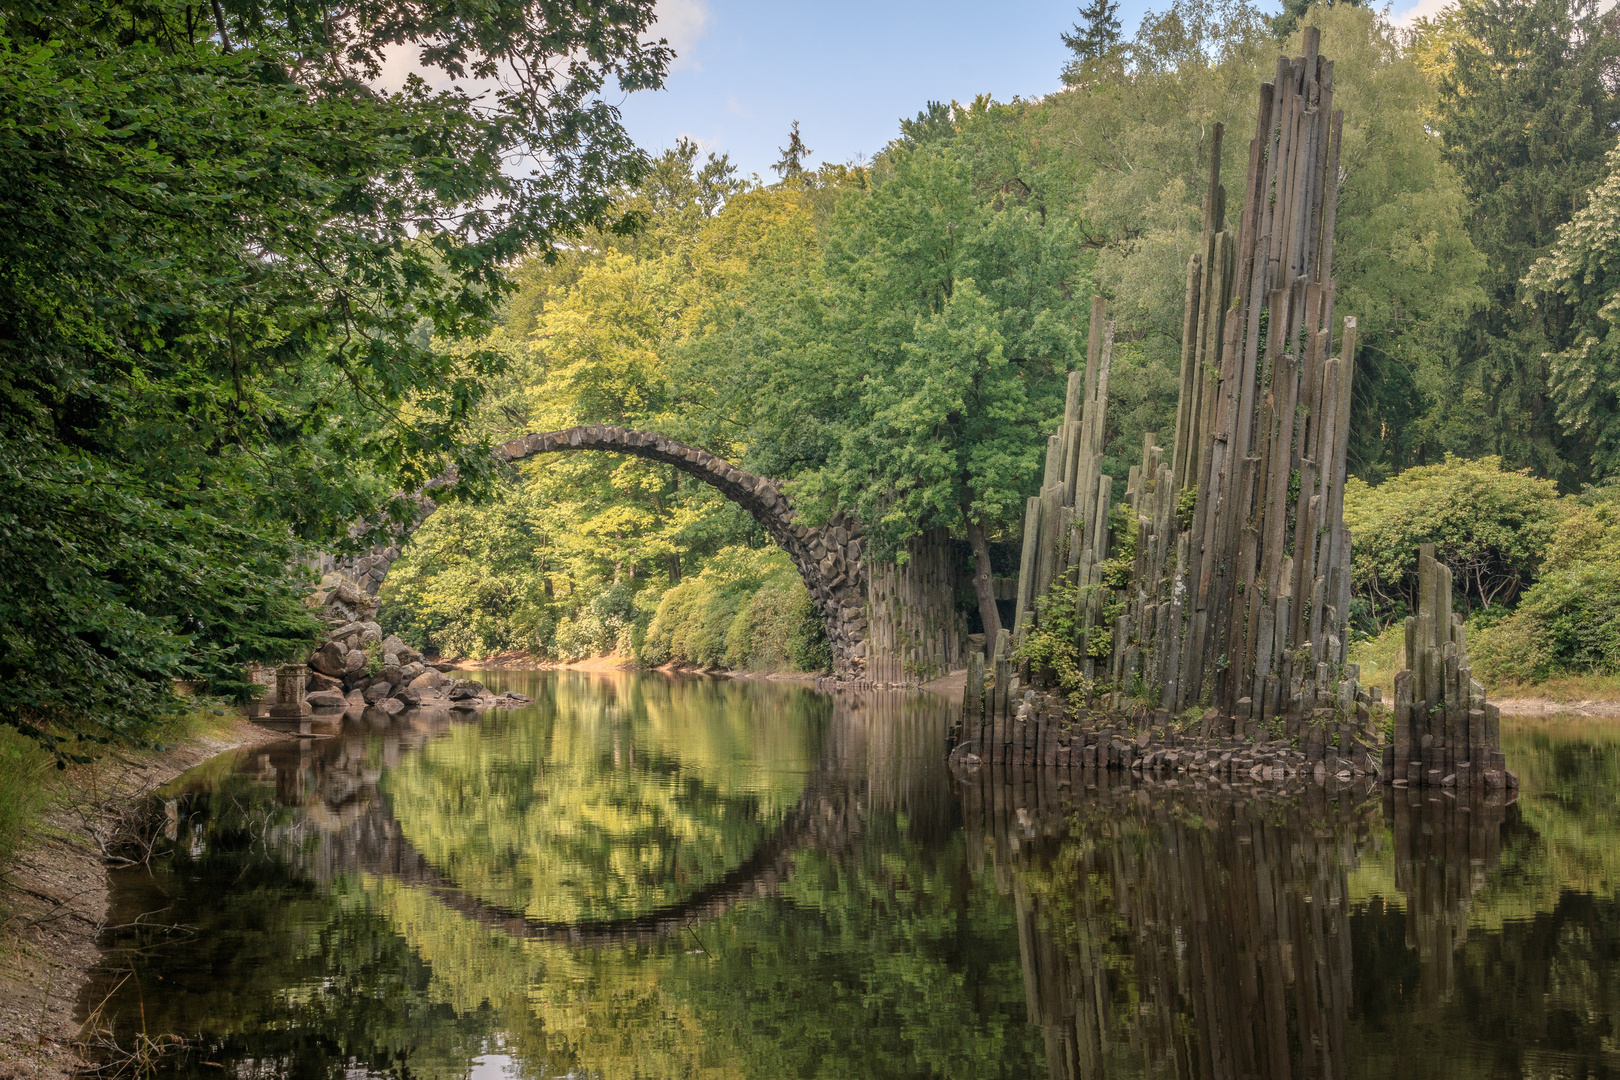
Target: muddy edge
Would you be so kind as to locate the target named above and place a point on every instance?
(53, 898)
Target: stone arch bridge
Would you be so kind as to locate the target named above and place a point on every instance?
(917, 633)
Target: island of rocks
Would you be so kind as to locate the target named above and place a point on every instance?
(358, 667)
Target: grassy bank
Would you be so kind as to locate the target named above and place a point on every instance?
(56, 826)
(30, 782)
(25, 770)
(1382, 656)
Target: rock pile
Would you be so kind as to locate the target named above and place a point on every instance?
(358, 666)
(1038, 729)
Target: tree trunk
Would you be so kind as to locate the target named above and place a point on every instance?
(982, 584)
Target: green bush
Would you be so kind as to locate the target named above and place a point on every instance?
(1591, 533)
(1567, 623)
(747, 610)
(778, 629)
(1492, 527)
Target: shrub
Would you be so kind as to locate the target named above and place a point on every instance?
(746, 610)
(1492, 527)
(778, 629)
(1567, 623)
(1591, 533)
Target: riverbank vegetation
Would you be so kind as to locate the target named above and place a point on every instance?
(246, 287)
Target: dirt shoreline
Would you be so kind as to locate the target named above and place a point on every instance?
(53, 898)
(1541, 706)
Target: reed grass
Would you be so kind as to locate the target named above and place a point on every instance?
(25, 772)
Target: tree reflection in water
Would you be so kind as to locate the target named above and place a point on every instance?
(885, 922)
(345, 928)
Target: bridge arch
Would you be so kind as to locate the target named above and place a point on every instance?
(829, 558)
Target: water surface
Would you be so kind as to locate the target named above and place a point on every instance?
(645, 877)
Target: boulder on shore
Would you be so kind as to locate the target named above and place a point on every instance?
(328, 659)
(354, 661)
(377, 691)
(316, 681)
(428, 680)
(326, 699)
(355, 699)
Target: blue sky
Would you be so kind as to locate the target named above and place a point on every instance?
(847, 70)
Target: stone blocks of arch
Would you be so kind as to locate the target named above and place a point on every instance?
(829, 557)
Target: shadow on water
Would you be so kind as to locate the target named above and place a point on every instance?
(649, 877)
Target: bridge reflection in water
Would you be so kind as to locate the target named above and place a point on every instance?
(1183, 933)
(643, 833)
(634, 876)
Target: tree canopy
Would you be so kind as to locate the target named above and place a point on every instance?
(230, 252)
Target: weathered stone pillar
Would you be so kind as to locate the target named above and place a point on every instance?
(914, 631)
(290, 703)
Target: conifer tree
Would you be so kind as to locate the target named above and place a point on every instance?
(1526, 116)
(791, 164)
(1097, 31)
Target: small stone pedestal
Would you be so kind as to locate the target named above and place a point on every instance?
(290, 703)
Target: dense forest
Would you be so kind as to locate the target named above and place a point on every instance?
(894, 337)
(249, 296)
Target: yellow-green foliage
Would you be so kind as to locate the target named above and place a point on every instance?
(1380, 657)
(1490, 525)
(746, 610)
(1568, 622)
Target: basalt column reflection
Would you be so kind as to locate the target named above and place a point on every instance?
(1207, 933)
(1444, 850)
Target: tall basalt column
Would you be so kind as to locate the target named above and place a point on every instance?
(1235, 601)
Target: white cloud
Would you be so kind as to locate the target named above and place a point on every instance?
(735, 108)
(682, 23)
(1423, 9)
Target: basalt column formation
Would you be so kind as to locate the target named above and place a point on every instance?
(1446, 733)
(1221, 585)
(1209, 610)
(1260, 587)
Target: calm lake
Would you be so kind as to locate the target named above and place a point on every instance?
(645, 877)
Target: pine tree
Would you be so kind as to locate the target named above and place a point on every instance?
(791, 164)
(1097, 32)
(1526, 117)
(1294, 10)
